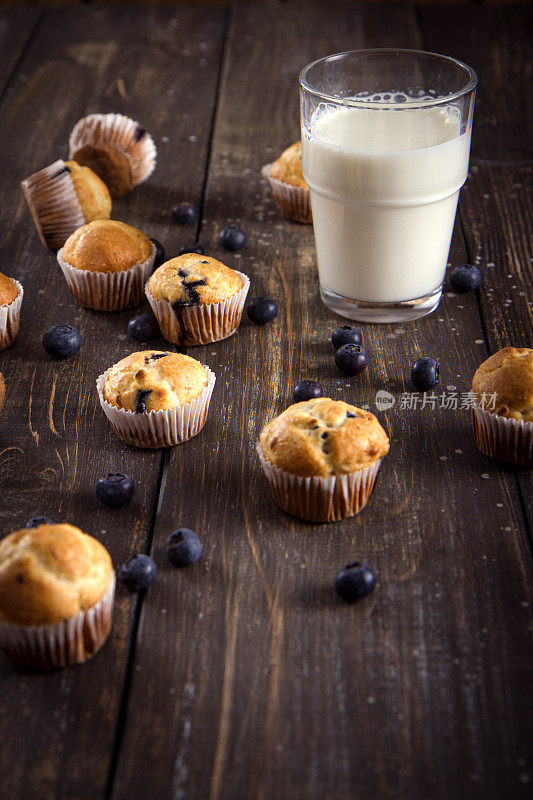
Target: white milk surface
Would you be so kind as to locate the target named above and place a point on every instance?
(384, 188)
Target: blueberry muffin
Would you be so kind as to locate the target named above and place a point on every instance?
(62, 197)
(289, 187)
(56, 595)
(106, 264)
(503, 418)
(197, 299)
(11, 294)
(321, 458)
(156, 399)
(116, 147)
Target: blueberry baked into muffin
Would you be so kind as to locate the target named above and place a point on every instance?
(156, 399)
(11, 294)
(62, 197)
(57, 587)
(321, 458)
(106, 264)
(197, 299)
(503, 417)
(289, 187)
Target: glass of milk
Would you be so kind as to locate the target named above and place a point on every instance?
(385, 148)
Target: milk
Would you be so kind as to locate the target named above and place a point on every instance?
(384, 189)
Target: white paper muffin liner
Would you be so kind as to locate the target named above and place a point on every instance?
(158, 428)
(107, 291)
(65, 643)
(294, 202)
(10, 317)
(320, 499)
(54, 204)
(201, 324)
(505, 439)
(116, 144)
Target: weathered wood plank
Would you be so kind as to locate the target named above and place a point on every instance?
(159, 65)
(16, 28)
(250, 679)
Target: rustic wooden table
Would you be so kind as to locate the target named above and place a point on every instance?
(244, 676)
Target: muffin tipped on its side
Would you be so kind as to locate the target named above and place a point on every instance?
(11, 294)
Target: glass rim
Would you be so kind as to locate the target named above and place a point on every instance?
(378, 104)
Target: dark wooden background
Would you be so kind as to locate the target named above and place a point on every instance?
(244, 676)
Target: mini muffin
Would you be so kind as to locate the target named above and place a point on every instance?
(289, 188)
(116, 147)
(106, 264)
(197, 299)
(321, 458)
(11, 294)
(63, 197)
(2, 392)
(57, 586)
(503, 416)
(156, 399)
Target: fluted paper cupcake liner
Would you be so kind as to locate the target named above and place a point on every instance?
(320, 499)
(158, 428)
(107, 291)
(10, 317)
(116, 147)
(505, 439)
(201, 324)
(53, 203)
(294, 202)
(69, 642)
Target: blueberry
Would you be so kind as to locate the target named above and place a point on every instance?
(184, 213)
(306, 390)
(142, 327)
(351, 358)
(115, 490)
(262, 309)
(195, 247)
(62, 341)
(356, 580)
(232, 238)
(137, 572)
(159, 253)
(346, 334)
(183, 547)
(425, 374)
(465, 278)
(36, 521)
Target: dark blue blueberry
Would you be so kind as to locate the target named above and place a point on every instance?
(184, 213)
(137, 572)
(232, 238)
(465, 278)
(351, 358)
(140, 400)
(36, 521)
(195, 247)
(346, 334)
(306, 390)
(115, 490)
(183, 547)
(142, 327)
(159, 253)
(425, 374)
(139, 133)
(62, 341)
(262, 309)
(356, 580)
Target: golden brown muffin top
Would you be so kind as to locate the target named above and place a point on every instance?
(191, 279)
(509, 375)
(91, 191)
(106, 245)
(323, 437)
(51, 573)
(288, 167)
(8, 290)
(2, 392)
(152, 380)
